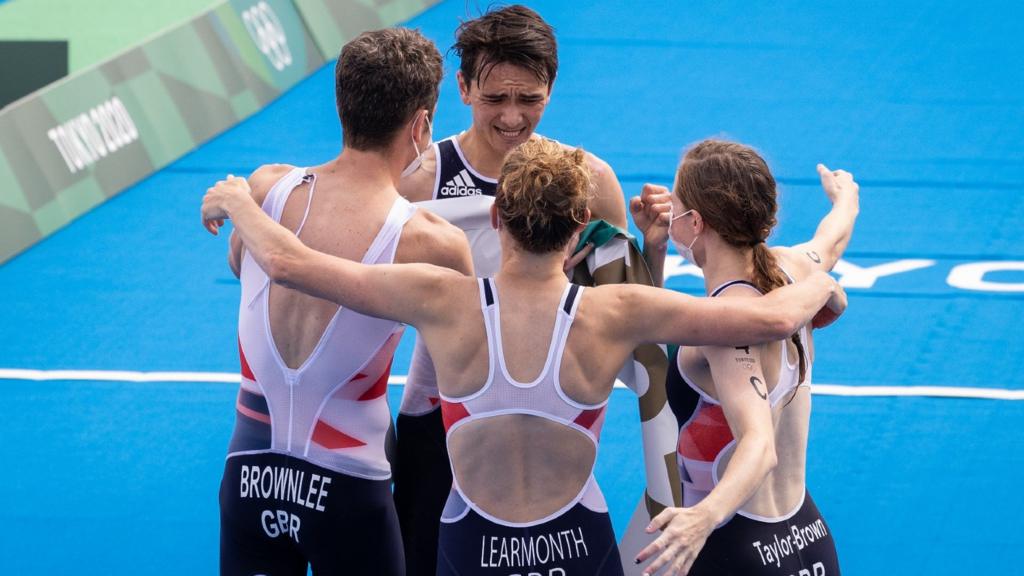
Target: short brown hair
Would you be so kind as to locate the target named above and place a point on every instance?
(543, 192)
(381, 79)
(514, 35)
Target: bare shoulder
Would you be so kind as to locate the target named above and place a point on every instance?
(608, 202)
(611, 295)
(419, 185)
(263, 179)
(598, 167)
(431, 239)
(798, 264)
(606, 308)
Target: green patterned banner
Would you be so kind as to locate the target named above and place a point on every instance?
(334, 22)
(81, 140)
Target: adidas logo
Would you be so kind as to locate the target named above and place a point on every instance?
(461, 185)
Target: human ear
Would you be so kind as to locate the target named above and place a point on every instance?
(463, 87)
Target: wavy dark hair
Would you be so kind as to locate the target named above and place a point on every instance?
(514, 35)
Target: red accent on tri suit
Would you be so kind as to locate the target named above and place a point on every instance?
(706, 434)
(250, 413)
(333, 439)
(379, 387)
(452, 412)
(246, 371)
(588, 417)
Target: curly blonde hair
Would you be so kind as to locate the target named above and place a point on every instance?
(543, 193)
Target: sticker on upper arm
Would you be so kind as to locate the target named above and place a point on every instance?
(746, 359)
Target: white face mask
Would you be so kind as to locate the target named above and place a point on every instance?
(416, 161)
(684, 250)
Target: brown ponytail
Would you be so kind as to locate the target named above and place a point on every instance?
(767, 277)
(731, 187)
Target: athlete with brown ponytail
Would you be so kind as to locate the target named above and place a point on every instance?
(744, 411)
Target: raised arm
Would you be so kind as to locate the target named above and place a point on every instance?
(651, 212)
(400, 292)
(740, 386)
(833, 233)
(646, 314)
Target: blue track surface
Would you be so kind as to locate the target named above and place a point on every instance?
(922, 102)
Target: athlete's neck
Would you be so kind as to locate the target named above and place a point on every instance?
(364, 169)
(522, 268)
(480, 155)
(724, 263)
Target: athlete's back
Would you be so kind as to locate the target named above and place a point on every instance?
(308, 452)
(706, 441)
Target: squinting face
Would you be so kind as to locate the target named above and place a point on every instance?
(507, 105)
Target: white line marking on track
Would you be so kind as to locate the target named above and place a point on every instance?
(930, 391)
(119, 376)
(398, 379)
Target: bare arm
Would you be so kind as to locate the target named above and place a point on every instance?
(608, 203)
(740, 385)
(644, 314)
(834, 231)
(260, 183)
(743, 392)
(398, 292)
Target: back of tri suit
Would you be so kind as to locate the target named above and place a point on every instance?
(306, 479)
(575, 540)
(799, 541)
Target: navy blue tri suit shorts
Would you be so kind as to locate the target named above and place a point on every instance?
(279, 514)
(423, 479)
(801, 545)
(577, 543)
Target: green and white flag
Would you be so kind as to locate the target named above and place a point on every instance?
(616, 259)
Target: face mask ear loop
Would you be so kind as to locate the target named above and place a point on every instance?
(430, 130)
(686, 251)
(415, 164)
(414, 145)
